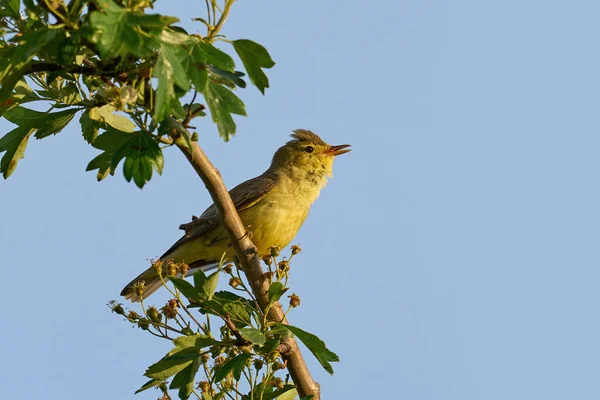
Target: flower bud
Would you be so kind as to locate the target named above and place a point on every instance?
(138, 289)
(133, 315)
(117, 308)
(228, 268)
(235, 282)
(195, 137)
(267, 260)
(144, 324)
(154, 314)
(158, 266)
(274, 356)
(184, 268)
(204, 358)
(283, 265)
(258, 364)
(171, 268)
(294, 300)
(275, 251)
(296, 249)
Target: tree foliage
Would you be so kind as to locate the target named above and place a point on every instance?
(136, 80)
(125, 71)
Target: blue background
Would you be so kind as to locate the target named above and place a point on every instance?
(453, 256)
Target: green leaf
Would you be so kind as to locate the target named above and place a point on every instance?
(208, 54)
(119, 32)
(170, 72)
(186, 288)
(197, 341)
(287, 392)
(222, 103)
(316, 346)
(234, 78)
(69, 94)
(150, 384)
(11, 7)
(276, 290)
(236, 365)
(106, 116)
(253, 335)
(238, 313)
(210, 285)
(199, 279)
(14, 144)
(269, 346)
(166, 368)
(15, 60)
(184, 380)
(110, 141)
(141, 154)
(255, 57)
(89, 127)
(46, 123)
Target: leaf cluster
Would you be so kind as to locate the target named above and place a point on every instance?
(125, 71)
(246, 346)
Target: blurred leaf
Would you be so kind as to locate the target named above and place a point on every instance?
(269, 346)
(253, 335)
(236, 365)
(255, 57)
(186, 288)
(14, 144)
(316, 346)
(106, 115)
(69, 94)
(166, 368)
(89, 127)
(235, 78)
(11, 8)
(15, 60)
(46, 123)
(184, 380)
(150, 384)
(287, 392)
(222, 103)
(210, 285)
(118, 32)
(276, 290)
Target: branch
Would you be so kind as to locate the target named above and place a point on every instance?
(248, 258)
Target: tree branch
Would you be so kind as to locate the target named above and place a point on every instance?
(248, 258)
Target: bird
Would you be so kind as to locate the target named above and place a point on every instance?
(272, 207)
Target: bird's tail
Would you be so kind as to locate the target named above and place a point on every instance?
(153, 282)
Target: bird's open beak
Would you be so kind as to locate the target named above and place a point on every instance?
(337, 150)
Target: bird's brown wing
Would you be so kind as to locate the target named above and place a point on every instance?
(243, 195)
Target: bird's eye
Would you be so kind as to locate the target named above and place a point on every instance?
(309, 149)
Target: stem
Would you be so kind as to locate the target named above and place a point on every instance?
(248, 258)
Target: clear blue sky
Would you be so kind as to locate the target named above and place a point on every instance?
(453, 256)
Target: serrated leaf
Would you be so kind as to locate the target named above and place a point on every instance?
(235, 365)
(169, 72)
(141, 154)
(222, 103)
(69, 94)
(166, 368)
(13, 144)
(276, 290)
(186, 288)
(316, 346)
(253, 335)
(255, 57)
(119, 32)
(89, 127)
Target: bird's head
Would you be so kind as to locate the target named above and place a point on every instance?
(307, 154)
